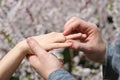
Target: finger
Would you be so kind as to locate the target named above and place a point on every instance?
(76, 36)
(69, 22)
(33, 60)
(59, 37)
(75, 26)
(77, 45)
(72, 27)
(60, 45)
(35, 47)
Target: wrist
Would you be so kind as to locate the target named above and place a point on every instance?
(103, 54)
(23, 47)
(100, 54)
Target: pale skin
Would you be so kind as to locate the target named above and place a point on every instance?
(13, 58)
(90, 42)
(43, 62)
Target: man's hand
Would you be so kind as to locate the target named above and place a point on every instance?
(90, 42)
(43, 62)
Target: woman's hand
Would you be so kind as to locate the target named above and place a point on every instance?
(50, 41)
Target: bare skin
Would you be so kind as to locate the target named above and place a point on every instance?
(43, 62)
(90, 42)
(13, 58)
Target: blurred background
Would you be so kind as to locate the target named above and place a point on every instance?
(20, 19)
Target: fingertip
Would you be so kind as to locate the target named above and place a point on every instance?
(66, 44)
(69, 43)
(84, 35)
(66, 32)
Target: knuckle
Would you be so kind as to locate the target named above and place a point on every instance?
(57, 45)
(53, 33)
(94, 26)
(75, 19)
(62, 37)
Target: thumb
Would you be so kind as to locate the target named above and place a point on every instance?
(35, 47)
(33, 60)
(77, 45)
